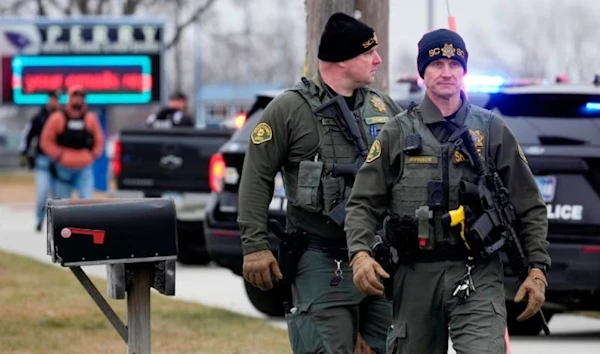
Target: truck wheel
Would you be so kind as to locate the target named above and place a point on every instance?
(191, 242)
(268, 302)
(193, 258)
(530, 327)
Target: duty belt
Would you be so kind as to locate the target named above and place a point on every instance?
(335, 247)
(443, 252)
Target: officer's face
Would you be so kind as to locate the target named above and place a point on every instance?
(362, 69)
(444, 78)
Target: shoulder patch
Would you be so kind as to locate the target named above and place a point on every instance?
(522, 154)
(374, 151)
(261, 133)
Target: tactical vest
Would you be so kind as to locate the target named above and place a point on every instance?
(316, 190)
(420, 187)
(75, 134)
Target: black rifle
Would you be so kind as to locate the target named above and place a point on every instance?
(337, 109)
(291, 248)
(495, 216)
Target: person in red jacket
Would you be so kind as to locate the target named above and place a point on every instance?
(73, 139)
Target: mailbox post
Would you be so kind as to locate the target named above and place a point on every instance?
(137, 241)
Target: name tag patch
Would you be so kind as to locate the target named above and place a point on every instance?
(422, 159)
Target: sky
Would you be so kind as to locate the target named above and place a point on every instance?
(476, 20)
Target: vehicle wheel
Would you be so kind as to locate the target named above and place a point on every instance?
(192, 246)
(193, 258)
(268, 302)
(530, 327)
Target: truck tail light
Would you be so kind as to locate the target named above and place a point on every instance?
(116, 160)
(216, 172)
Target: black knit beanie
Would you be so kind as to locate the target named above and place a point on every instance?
(344, 38)
(441, 43)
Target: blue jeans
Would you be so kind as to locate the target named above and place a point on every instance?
(43, 186)
(80, 180)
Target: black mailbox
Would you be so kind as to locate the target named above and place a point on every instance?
(87, 232)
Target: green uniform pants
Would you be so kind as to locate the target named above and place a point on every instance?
(327, 319)
(426, 312)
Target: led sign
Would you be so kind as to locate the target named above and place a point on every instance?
(118, 79)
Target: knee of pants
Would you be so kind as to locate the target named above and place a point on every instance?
(303, 333)
(325, 331)
(396, 338)
(483, 334)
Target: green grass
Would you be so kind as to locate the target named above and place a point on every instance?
(44, 309)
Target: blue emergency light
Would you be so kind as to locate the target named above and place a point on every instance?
(592, 107)
(483, 84)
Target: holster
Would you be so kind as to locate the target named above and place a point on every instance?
(383, 255)
(291, 249)
(402, 232)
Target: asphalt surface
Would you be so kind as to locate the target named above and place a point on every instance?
(219, 287)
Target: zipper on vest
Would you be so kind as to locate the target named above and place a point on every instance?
(446, 186)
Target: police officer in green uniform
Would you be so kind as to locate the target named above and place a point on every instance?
(401, 178)
(293, 137)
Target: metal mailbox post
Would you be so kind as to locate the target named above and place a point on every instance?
(137, 241)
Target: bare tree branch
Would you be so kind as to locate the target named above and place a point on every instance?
(41, 9)
(130, 6)
(180, 27)
(83, 7)
(100, 7)
(65, 10)
(14, 7)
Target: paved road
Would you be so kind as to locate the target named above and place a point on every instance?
(219, 287)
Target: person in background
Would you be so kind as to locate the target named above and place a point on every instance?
(34, 158)
(73, 139)
(173, 115)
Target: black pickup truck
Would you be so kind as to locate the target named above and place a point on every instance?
(558, 127)
(171, 163)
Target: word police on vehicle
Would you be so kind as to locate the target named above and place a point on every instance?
(565, 212)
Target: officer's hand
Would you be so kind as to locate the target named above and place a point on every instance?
(259, 267)
(534, 287)
(366, 270)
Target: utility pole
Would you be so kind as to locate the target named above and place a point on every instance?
(430, 15)
(373, 13)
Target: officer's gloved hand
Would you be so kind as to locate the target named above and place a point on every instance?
(259, 268)
(534, 287)
(366, 270)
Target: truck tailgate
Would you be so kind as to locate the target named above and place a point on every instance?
(155, 161)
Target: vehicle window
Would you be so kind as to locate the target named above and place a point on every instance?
(546, 105)
(243, 134)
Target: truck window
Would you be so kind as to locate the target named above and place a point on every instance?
(546, 105)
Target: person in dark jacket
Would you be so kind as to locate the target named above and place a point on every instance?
(173, 115)
(34, 158)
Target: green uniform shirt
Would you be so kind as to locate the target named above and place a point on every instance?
(384, 166)
(290, 135)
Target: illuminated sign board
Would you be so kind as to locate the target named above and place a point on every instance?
(116, 79)
(119, 61)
